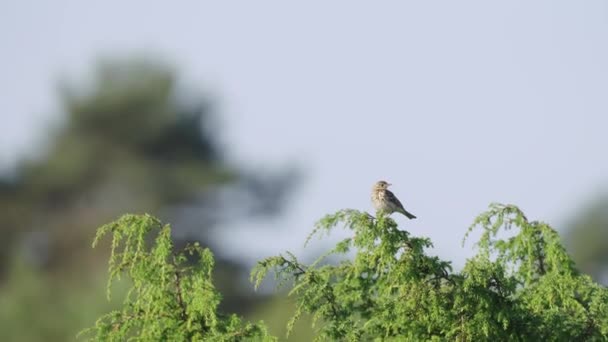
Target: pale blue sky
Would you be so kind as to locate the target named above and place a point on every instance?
(458, 104)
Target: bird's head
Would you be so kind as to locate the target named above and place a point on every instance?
(380, 185)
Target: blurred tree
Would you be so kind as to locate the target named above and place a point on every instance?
(586, 239)
(132, 139)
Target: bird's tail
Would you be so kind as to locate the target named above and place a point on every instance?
(409, 215)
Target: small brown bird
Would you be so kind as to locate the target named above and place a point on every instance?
(386, 201)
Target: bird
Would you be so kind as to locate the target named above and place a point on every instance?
(384, 200)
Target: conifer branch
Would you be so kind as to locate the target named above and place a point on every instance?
(327, 289)
(180, 300)
(390, 289)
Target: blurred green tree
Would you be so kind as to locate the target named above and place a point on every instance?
(133, 138)
(586, 239)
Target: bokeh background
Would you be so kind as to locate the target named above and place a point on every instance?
(242, 123)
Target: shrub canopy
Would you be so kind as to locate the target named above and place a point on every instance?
(522, 287)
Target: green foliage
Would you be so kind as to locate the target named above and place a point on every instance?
(522, 287)
(276, 312)
(130, 136)
(33, 309)
(172, 297)
(586, 239)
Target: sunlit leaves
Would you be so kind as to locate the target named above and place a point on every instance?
(384, 287)
(523, 287)
(172, 297)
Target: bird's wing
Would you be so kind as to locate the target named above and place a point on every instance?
(393, 199)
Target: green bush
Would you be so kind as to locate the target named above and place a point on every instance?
(524, 287)
(172, 297)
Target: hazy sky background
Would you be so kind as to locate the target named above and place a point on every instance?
(458, 104)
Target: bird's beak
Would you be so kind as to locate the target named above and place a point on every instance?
(389, 184)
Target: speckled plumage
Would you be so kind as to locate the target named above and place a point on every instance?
(386, 201)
